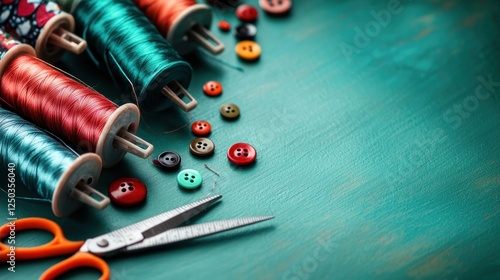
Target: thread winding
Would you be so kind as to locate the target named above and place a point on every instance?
(163, 13)
(39, 159)
(46, 166)
(56, 102)
(123, 42)
(184, 23)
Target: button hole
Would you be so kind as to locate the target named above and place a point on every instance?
(130, 188)
(122, 185)
(124, 190)
(192, 181)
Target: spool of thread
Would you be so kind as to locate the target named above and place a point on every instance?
(73, 112)
(184, 23)
(47, 167)
(43, 25)
(124, 43)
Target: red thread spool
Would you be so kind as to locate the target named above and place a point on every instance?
(50, 29)
(185, 23)
(74, 112)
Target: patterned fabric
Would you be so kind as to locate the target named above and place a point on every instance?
(26, 18)
(7, 42)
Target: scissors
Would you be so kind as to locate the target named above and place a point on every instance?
(155, 231)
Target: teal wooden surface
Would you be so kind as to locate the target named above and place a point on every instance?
(378, 153)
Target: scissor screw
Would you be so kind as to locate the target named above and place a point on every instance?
(103, 243)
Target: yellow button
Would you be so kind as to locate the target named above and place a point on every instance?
(248, 50)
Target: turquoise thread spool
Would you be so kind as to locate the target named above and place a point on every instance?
(47, 167)
(123, 42)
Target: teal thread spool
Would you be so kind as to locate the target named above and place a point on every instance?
(123, 42)
(48, 167)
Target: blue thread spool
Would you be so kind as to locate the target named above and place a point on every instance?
(47, 167)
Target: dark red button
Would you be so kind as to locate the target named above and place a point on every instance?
(127, 191)
(201, 128)
(241, 154)
(212, 88)
(224, 26)
(247, 13)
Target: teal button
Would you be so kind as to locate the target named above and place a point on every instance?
(189, 179)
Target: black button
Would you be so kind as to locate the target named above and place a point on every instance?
(169, 160)
(245, 31)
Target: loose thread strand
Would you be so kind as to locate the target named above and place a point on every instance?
(215, 181)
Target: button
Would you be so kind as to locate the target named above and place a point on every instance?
(212, 88)
(189, 179)
(245, 31)
(201, 128)
(229, 110)
(247, 13)
(275, 7)
(169, 160)
(202, 146)
(241, 154)
(224, 26)
(127, 191)
(248, 50)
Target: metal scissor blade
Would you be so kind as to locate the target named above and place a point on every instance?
(176, 217)
(134, 233)
(194, 231)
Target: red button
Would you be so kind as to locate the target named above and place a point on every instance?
(247, 13)
(212, 88)
(127, 191)
(241, 154)
(224, 25)
(201, 128)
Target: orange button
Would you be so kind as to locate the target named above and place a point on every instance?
(201, 128)
(224, 26)
(212, 88)
(248, 50)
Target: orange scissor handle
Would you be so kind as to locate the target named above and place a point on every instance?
(80, 259)
(57, 247)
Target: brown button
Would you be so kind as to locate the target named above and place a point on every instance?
(202, 146)
(229, 110)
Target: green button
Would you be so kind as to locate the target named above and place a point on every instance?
(189, 179)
